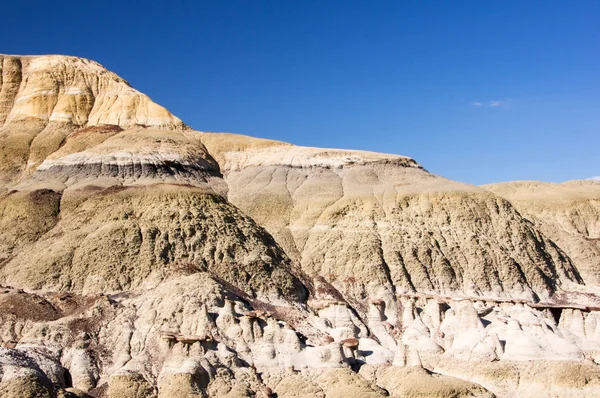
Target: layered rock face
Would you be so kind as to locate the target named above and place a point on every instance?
(43, 98)
(376, 225)
(140, 258)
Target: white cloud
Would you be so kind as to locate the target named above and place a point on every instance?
(596, 178)
(493, 103)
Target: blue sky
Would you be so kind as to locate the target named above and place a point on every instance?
(476, 91)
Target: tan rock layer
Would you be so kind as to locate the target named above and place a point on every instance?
(120, 238)
(132, 272)
(568, 213)
(45, 98)
(74, 90)
(372, 226)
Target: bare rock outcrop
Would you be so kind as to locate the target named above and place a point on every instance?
(140, 258)
(376, 225)
(115, 239)
(568, 213)
(43, 98)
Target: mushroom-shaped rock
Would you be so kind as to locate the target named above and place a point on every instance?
(350, 343)
(349, 347)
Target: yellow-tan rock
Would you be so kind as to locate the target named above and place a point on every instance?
(141, 258)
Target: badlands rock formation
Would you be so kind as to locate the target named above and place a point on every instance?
(141, 258)
(43, 99)
(568, 213)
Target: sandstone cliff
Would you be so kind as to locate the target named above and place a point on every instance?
(140, 258)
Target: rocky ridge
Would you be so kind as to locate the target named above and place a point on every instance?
(140, 258)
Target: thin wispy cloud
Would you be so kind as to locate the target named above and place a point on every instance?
(493, 103)
(596, 178)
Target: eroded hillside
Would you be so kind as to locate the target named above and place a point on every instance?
(568, 213)
(140, 258)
